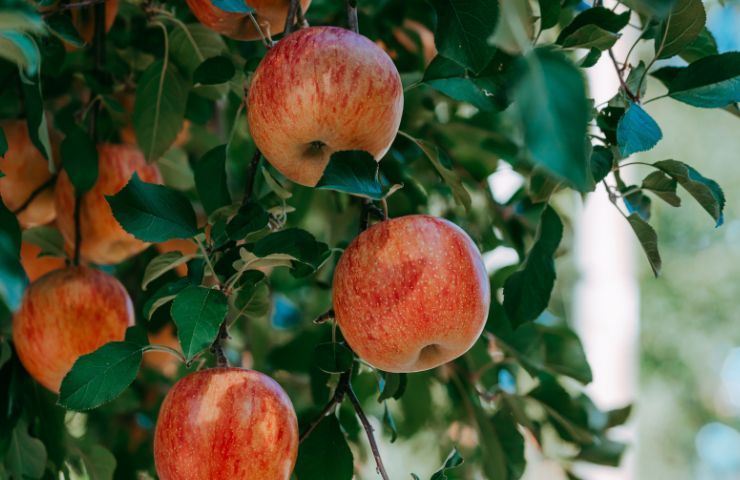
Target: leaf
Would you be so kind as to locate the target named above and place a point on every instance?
(637, 202)
(198, 313)
(702, 46)
(159, 108)
(20, 49)
(710, 82)
(214, 70)
(682, 26)
(602, 161)
(61, 25)
(275, 186)
(438, 159)
(549, 13)
(663, 186)
(325, 453)
(603, 452)
(357, 173)
(210, 179)
(333, 357)
(591, 36)
(38, 129)
(651, 8)
(26, 456)
(233, 6)
(602, 18)
(153, 213)
(249, 219)
(392, 385)
(492, 453)
(550, 99)
(163, 295)
(162, 264)
(252, 301)
(390, 422)
(637, 131)
(100, 376)
(484, 91)
(192, 43)
(454, 460)
(527, 291)
(648, 239)
(706, 191)
(100, 464)
(79, 159)
(295, 242)
(13, 279)
(463, 30)
(48, 239)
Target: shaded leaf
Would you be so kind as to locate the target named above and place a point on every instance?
(357, 173)
(549, 13)
(79, 159)
(454, 460)
(706, 191)
(648, 239)
(162, 264)
(214, 70)
(333, 357)
(162, 296)
(710, 82)
(325, 453)
(682, 26)
(198, 313)
(26, 456)
(47, 238)
(602, 161)
(637, 131)
(210, 179)
(100, 464)
(663, 186)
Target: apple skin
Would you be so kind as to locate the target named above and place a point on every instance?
(104, 241)
(270, 14)
(411, 293)
(321, 90)
(224, 423)
(65, 314)
(36, 266)
(25, 170)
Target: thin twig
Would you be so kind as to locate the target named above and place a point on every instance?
(290, 20)
(352, 22)
(35, 194)
(624, 85)
(369, 431)
(339, 392)
(251, 176)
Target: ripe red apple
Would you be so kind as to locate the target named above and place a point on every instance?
(104, 241)
(36, 266)
(270, 14)
(65, 314)
(226, 423)
(25, 170)
(321, 90)
(411, 293)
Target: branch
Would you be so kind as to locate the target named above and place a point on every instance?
(626, 88)
(352, 16)
(251, 176)
(369, 431)
(295, 5)
(339, 393)
(35, 194)
(218, 346)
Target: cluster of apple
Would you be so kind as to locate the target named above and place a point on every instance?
(410, 293)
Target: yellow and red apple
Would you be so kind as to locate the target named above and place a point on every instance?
(25, 170)
(411, 293)
(224, 423)
(65, 314)
(104, 241)
(270, 14)
(321, 90)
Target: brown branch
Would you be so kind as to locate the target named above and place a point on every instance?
(624, 85)
(369, 431)
(35, 193)
(218, 345)
(290, 20)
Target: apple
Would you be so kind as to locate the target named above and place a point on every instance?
(25, 170)
(36, 266)
(270, 14)
(411, 293)
(224, 423)
(83, 18)
(65, 314)
(104, 241)
(321, 90)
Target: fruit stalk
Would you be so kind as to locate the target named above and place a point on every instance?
(352, 16)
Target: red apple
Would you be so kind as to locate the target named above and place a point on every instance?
(411, 293)
(65, 314)
(321, 90)
(270, 14)
(25, 170)
(226, 423)
(36, 266)
(104, 241)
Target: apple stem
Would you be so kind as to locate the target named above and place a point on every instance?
(290, 20)
(218, 346)
(352, 16)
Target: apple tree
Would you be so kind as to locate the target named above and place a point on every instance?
(241, 239)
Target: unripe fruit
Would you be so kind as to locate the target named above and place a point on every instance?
(25, 170)
(104, 241)
(65, 314)
(270, 14)
(226, 423)
(321, 90)
(411, 293)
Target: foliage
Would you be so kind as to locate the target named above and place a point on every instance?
(506, 86)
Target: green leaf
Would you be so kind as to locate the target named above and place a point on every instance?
(159, 108)
(210, 179)
(550, 99)
(214, 70)
(604, 452)
(61, 25)
(454, 460)
(637, 202)
(549, 13)
(79, 159)
(100, 464)
(682, 26)
(250, 218)
(527, 291)
(637, 131)
(325, 453)
(492, 453)
(153, 213)
(100, 376)
(38, 129)
(648, 239)
(299, 244)
(590, 59)
(198, 313)
(233, 6)
(162, 264)
(20, 49)
(600, 17)
(591, 36)
(710, 82)
(463, 30)
(706, 191)
(439, 160)
(191, 45)
(252, 299)
(3, 145)
(47, 238)
(702, 46)
(333, 357)
(26, 456)
(651, 8)
(162, 296)
(663, 186)
(13, 279)
(485, 91)
(390, 422)
(392, 385)
(512, 442)
(357, 173)
(602, 161)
